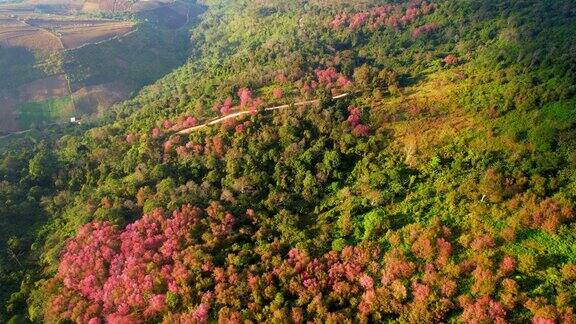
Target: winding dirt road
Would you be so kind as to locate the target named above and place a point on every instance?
(218, 120)
(241, 113)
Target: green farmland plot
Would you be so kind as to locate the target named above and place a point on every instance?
(44, 112)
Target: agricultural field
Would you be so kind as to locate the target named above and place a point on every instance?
(78, 32)
(93, 100)
(43, 89)
(66, 49)
(52, 34)
(8, 121)
(76, 36)
(37, 103)
(14, 33)
(39, 113)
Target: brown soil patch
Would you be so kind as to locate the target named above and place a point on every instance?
(107, 5)
(66, 22)
(5, 22)
(95, 99)
(99, 5)
(90, 7)
(8, 121)
(51, 87)
(76, 36)
(52, 6)
(28, 37)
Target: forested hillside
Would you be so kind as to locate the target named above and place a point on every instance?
(422, 171)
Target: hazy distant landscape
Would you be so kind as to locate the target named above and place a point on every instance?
(77, 58)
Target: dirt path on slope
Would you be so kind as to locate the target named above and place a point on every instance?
(241, 113)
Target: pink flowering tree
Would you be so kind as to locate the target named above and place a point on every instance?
(121, 276)
(131, 138)
(167, 124)
(245, 96)
(424, 30)
(189, 122)
(391, 15)
(355, 121)
(482, 310)
(226, 106)
(339, 21)
(450, 59)
(358, 20)
(157, 132)
(278, 93)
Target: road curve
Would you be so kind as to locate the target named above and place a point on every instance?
(240, 113)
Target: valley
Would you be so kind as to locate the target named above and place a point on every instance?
(77, 58)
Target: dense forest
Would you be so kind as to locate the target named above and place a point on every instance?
(422, 170)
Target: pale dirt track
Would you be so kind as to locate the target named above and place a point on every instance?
(241, 113)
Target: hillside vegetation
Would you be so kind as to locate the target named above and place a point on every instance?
(441, 189)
